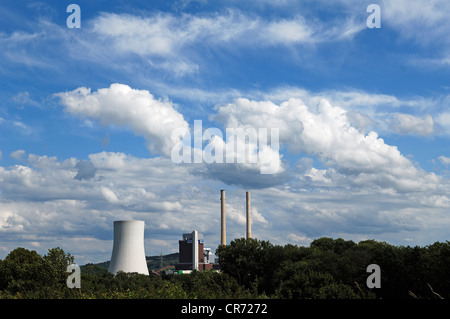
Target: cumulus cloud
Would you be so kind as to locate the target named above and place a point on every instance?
(324, 131)
(121, 105)
(42, 203)
(243, 153)
(157, 121)
(367, 111)
(43, 200)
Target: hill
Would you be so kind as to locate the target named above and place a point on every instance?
(153, 262)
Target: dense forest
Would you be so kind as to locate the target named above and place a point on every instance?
(250, 268)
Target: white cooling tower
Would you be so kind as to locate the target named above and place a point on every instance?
(128, 254)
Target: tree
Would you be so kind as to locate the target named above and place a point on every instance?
(26, 272)
(298, 280)
(56, 262)
(251, 262)
(22, 271)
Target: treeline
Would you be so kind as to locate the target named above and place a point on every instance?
(336, 268)
(26, 274)
(250, 268)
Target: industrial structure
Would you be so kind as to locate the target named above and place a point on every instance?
(223, 236)
(193, 255)
(222, 219)
(249, 219)
(128, 253)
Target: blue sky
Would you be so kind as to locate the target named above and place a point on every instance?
(86, 117)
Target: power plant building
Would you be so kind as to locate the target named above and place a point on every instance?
(193, 255)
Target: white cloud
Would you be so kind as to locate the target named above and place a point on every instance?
(324, 131)
(156, 120)
(171, 42)
(42, 204)
(443, 119)
(44, 201)
(444, 159)
(406, 15)
(407, 123)
(318, 175)
(288, 31)
(123, 106)
(109, 195)
(164, 34)
(151, 35)
(366, 111)
(19, 154)
(300, 239)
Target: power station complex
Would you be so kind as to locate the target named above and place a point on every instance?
(128, 253)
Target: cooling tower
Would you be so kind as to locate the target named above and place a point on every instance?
(128, 254)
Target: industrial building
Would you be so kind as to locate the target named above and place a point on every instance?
(193, 255)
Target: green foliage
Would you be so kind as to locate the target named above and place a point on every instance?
(211, 285)
(251, 262)
(26, 272)
(336, 268)
(250, 268)
(21, 271)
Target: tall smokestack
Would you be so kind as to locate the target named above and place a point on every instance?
(249, 219)
(223, 226)
(195, 250)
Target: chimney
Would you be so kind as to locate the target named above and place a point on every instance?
(195, 250)
(249, 220)
(223, 234)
